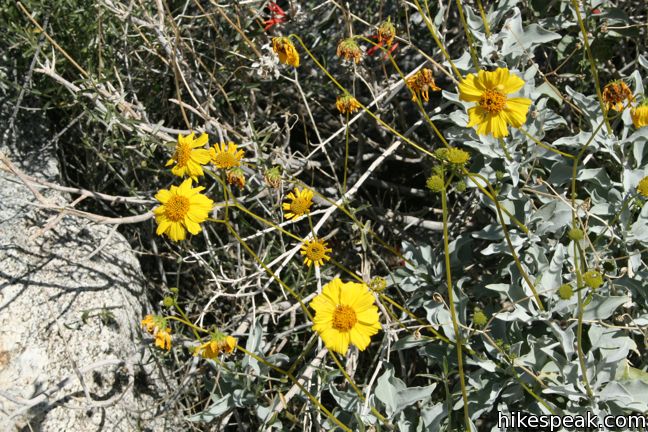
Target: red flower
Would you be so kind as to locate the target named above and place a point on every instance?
(277, 16)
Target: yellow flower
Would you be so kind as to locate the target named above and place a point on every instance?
(349, 50)
(286, 51)
(226, 156)
(345, 313)
(315, 251)
(188, 157)
(219, 343)
(300, 202)
(422, 82)
(156, 325)
(494, 110)
(642, 187)
(183, 208)
(347, 104)
(640, 115)
(615, 93)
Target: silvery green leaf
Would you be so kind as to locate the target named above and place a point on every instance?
(518, 40)
(611, 343)
(639, 230)
(552, 276)
(253, 345)
(602, 307)
(396, 396)
(218, 408)
(434, 415)
(347, 400)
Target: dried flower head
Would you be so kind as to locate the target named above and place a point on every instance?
(272, 177)
(286, 51)
(347, 104)
(422, 82)
(236, 177)
(157, 326)
(349, 50)
(386, 33)
(219, 343)
(615, 94)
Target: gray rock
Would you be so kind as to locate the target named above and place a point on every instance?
(71, 298)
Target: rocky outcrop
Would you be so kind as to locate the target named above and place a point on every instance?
(71, 297)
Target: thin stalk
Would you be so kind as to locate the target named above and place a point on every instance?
(469, 37)
(453, 313)
(504, 149)
(590, 58)
(346, 154)
(484, 19)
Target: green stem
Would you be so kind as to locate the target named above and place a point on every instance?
(484, 19)
(504, 149)
(590, 58)
(469, 37)
(453, 313)
(346, 153)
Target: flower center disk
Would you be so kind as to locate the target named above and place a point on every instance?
(225, 159)
(492, 101)
(299, 206)
(177, 208)
(315, 252)
(344, 318)
(182, 154)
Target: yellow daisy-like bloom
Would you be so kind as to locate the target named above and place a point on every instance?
(286, 51)
(218, 344)
(347, 104)
(188, 157)
(348, 49)
(300, 203)
(226, 156)
(642, 187)
(614, 95)
(315, 252)
(494, 110)
(156, 325)
(183, 209)
(345, 313)
(422, 82)
(639, 115)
